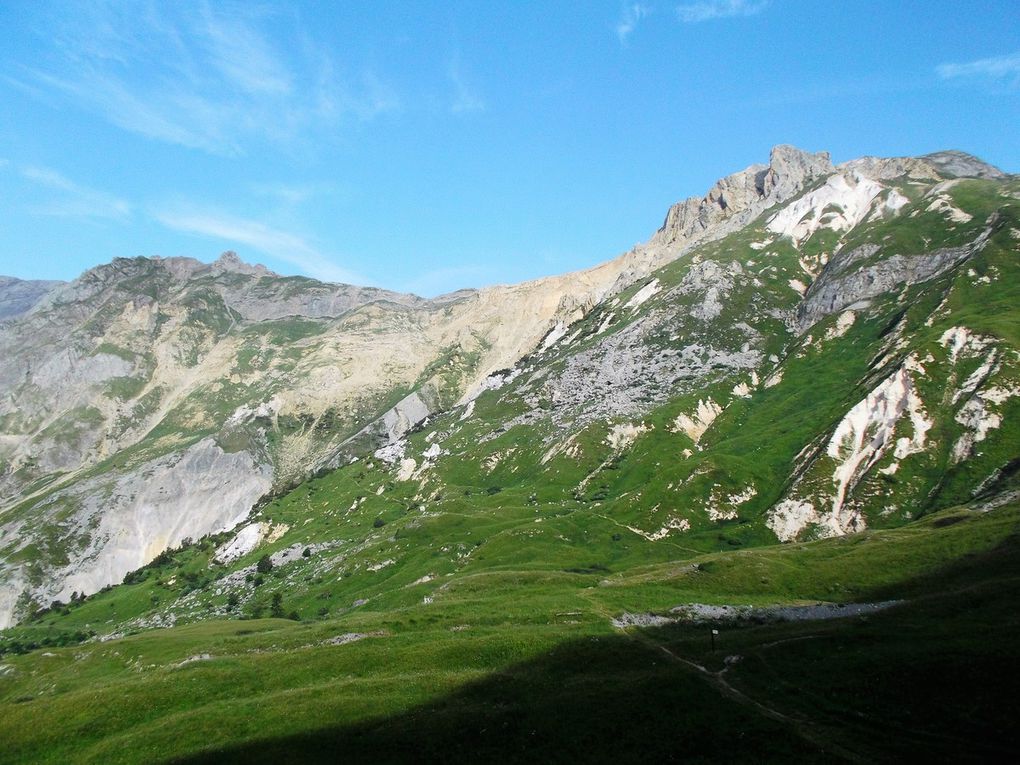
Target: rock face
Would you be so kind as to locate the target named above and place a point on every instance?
(741, 197)
(18, 297)
(155, 400)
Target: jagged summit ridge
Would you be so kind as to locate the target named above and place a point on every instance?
(745, 194)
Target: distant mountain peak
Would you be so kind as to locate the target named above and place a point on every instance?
(960, 164)
(230, 261)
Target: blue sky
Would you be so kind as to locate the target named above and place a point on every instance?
(429, 146)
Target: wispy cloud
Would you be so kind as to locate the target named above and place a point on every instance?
(442, 280)
(203, 77)
(465, 98)
(629, 18)
(289, 247)
(707, 10)
(73, 200)
(292, 195)
(997, 68)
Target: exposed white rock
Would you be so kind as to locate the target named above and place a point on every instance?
(980, 417)
(695, 424)
(865, 432)
(840, 204)
(243, 542)
(406, 469)
(569, 447)
(605, 324)
(798, 286)
(894, 202)
(961, 342)
(842, 325)
(725, 508)
(674, 524)
(864, 435)
(554, 336)
(392, 453)
(407, 413)
(623, 435)
(944, 205)
(742, 390)
(789, 518)
(978, 376)
(497, 380)
(643, 294)
(246, 413)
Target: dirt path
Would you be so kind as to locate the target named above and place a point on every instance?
(803, 728)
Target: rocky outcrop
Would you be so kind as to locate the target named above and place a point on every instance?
(840, 285)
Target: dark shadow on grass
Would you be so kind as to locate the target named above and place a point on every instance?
(933, 680)
(610, 699)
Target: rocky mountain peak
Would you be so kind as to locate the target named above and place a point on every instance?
(960, 164)
(744, 195)
(790, 169)
(230, 261)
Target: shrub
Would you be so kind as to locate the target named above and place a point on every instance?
(276, 608)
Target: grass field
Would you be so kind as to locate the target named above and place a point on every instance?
(522, 665)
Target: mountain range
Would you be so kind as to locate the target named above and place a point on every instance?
(807, 355)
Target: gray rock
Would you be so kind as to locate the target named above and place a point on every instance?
(839, 287)
(959, 164)
(18, 297)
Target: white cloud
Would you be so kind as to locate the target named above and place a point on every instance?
(465, 99)
(999, 67)
(286, 246)
(706, 10)
(203, 77)
(632, 14)
(73, 200)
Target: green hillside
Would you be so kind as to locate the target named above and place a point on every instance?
(799, 432)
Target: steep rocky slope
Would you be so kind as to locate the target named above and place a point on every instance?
(807, 350)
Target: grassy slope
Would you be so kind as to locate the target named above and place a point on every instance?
(506, 665)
